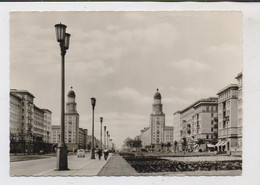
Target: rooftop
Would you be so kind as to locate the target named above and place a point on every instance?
(239, 75)
(229, 87)
(22, 92)
(200, 101)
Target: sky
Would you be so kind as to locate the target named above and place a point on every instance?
(121, 58)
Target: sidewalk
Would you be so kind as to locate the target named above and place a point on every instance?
(117, 166)
(80, 167)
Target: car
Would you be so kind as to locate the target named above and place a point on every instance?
(42, 152)
(81, 153)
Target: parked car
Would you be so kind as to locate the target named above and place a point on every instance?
(42, 152)
(81, 153)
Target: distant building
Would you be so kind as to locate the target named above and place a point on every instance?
(55, 134)
(71, 122)
(195, 122)
(157, 134)
(230, 117)
(83, 138)
(177, 130)
(145, 137)
(168, 134)
(28, 123)
(75, 137)
(157, 122)
(47, 125)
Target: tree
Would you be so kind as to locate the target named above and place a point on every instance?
(137, 144)
(128, 142)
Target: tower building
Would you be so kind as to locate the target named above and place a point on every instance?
(157, 122)
(71, 122)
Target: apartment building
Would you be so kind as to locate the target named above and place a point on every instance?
(28, 123)
(230, 117)
(195, 123)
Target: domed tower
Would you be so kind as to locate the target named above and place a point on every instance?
(157, 122)
(71, 105)
(157, 105)
(71, 122)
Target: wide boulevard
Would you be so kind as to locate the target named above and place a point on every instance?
(46, 167)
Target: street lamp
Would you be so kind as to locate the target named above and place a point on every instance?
(101, 120)
(63, 38)
(93, 103)
(107, 139)
(105, 128)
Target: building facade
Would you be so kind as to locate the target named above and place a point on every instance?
(145, 137)
(47, 125)
(230, 117)
(29, 124)
(55, 134)
(168, 135)
(177, 131)
(239, 78)
(195, 124)
(83, 138)
(71, 122)
(157, 122)
(157, 135)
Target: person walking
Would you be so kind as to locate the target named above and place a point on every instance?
(99, 153)
(105, 153)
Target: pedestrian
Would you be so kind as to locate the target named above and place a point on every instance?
(105, 153)
(99, 153)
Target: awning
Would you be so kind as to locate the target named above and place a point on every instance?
(223, 143)
(210, 145)
(218, 144)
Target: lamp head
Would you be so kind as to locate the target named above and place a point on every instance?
(67, 41)
(60, 32)
(93, 102)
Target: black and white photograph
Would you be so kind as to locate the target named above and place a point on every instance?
(127, 93)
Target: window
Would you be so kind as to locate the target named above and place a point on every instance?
(211, 129)
(207, 136)
(211, 122)
(212, 115)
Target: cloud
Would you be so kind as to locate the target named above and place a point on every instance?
(188, 65)
(203, 92)
(92, 69)
(175, 100)
(131, 95)
(229, 49)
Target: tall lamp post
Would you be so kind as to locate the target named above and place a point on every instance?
(107, 139)
(63, 38)
(105, 128)
(93, 103)
(101, 120)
